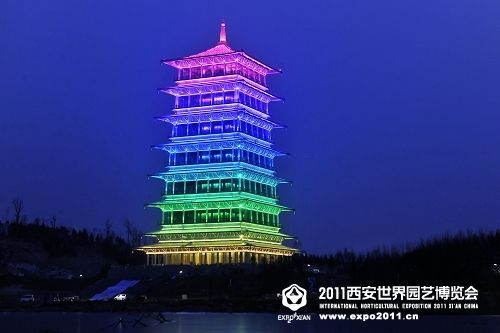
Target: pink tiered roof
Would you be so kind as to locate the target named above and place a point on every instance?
(222, 48)
(217, 49)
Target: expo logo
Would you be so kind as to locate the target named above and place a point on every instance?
(294, 297)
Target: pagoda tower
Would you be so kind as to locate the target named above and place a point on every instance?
(220, 204)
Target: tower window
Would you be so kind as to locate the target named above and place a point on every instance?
(215, 156)
(206, 99)
(193, 129)
(194, 101)
(177, 216)
(231, 68)
(192, 157)
(206, 71)
(217, 127)
(219, 98)
(227, 155)
(180, 158)
(184, 74)
(181, 130)
(219, 70)
(205, 128)
(228, 125)
(195, 72)
(203, 157)
(183, 101)
(229, 96)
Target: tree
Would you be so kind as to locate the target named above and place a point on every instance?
(18, 206)
(7, 214)
(53, 222)
(133, 234)
(128, 228)
(108, 229)
(136, 237)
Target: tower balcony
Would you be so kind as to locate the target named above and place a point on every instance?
(243, 202)
(223, 112)
(228, 136)
(220, 144)
(211, 167)
(218, 86)
(240, 171)
(221, 93)
(217, 196)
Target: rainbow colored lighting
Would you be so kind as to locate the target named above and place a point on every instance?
(220, 202)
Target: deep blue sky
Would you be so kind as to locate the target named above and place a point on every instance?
(392, 108)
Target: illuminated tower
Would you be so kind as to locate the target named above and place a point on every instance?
(220, 203)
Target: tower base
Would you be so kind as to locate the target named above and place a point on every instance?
(212, 255)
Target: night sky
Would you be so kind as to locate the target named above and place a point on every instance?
(392, 110)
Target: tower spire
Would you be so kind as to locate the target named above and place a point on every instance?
(222, 35)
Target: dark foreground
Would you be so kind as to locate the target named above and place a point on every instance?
(228, 322)
(79, 265)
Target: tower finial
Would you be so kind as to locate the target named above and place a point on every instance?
(222, 36)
